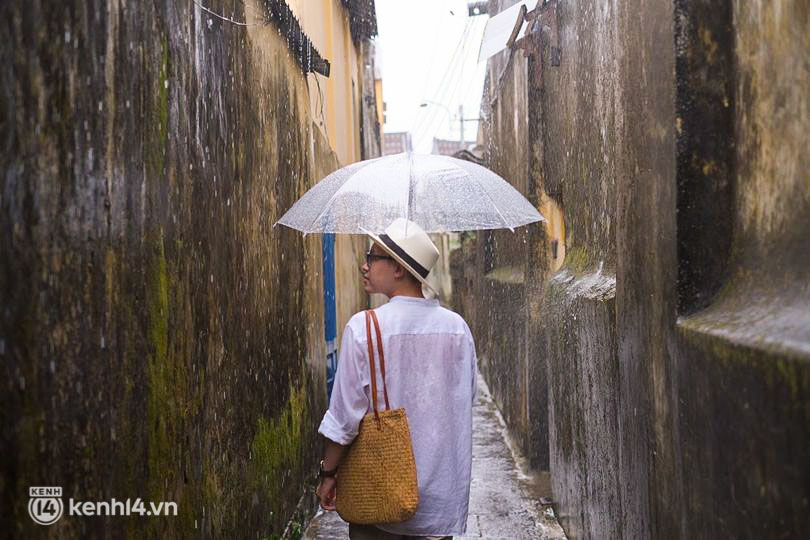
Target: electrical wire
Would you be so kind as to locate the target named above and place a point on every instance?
(452, 81)
(451, 65)
(320, 98)
(432, 57)
(223, 17)
(474, 77)
(463, 82)
(426, 123)
(477, 67)
(457, 79)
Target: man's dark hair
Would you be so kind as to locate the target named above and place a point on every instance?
(413, 279)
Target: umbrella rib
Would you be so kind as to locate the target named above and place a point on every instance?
(410, 191)
(495, 206)
(332, 198)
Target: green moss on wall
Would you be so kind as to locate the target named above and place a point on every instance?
(156, 325)
(576, 259)
(158, 409)
(167, 401)
(781, 373)
(277, 449)
(159, 116)
(166, 376)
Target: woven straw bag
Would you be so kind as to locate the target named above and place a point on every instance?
(377, 478)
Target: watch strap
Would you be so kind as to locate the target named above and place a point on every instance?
(323, 473)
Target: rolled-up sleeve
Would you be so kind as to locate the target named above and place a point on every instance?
(349, 403)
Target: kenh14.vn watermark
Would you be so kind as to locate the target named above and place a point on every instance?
(46, 507)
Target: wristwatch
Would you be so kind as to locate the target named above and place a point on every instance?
(323, 473)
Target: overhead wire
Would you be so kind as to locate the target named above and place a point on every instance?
(451, 64)
(427, 122)
(452, 81)
(456, 82)
(441, 94)
(321, 101)
(478, 70)
(460, 79)
(429, 71)
(223, 17)
(476, 67)
(462, 83)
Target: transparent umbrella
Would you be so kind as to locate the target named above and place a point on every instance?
(440, 193)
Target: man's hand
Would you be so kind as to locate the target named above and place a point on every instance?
(327, 487)
(327, 493)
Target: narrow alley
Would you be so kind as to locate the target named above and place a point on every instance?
(600, 207)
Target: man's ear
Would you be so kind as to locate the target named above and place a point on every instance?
(399, 271)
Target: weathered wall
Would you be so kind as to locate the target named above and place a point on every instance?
(580, 143)
(159, 339)
(743, 392)
(673, 341)
(439, 278)
(336, 97)
(351, 297)
(500, 289)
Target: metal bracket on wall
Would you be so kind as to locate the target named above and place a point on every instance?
(541, 20)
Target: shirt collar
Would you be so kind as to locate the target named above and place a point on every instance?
(414, 300)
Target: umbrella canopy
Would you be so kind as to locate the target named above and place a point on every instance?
(440, 193)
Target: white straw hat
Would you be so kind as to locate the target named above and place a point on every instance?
(410, 246)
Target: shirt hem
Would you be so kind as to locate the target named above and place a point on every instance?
(431, 532)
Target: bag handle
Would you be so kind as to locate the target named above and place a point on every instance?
(382, 355)
(370, 315)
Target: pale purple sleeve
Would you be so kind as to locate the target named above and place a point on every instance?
(348, 404)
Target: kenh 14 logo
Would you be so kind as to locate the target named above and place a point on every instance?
(45, 506)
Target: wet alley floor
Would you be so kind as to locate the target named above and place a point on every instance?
(503, 500)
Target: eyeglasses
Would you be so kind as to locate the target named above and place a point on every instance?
(371, 256)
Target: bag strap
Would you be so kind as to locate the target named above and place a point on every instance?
(382, 355)
(371, 365)
(370, 315)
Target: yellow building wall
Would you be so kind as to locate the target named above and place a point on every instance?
(335, 103)
(378, 94)
(334, 100)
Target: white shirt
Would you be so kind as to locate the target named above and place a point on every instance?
(430, 371)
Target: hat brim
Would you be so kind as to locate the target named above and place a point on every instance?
(377, 240)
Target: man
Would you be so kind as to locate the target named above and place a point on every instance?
(430, 371)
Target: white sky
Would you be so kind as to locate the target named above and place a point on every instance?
(428, 51)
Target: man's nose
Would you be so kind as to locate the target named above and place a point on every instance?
(364, 267)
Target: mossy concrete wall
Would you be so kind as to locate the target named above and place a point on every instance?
(159, 338)
(742, 392)
(672, 344)
(499, 280)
